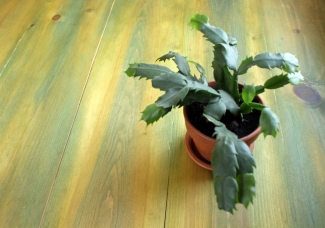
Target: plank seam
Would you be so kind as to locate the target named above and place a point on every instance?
(166, 204)
(12, 53)
(75, 117)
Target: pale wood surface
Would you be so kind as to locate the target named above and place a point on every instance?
(72, 151)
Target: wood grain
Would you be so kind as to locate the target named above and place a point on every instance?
(73, 152)
(41, 83)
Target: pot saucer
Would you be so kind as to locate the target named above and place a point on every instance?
(196, 156)
(194, 153)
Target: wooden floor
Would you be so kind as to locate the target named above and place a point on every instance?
(73, 152)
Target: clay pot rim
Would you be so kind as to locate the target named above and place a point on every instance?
(196, 156)
(208, 138)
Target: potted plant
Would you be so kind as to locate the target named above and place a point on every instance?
(220, 101)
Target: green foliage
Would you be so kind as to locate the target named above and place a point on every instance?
(246, 186)
(232, 161)
(215, 108)
(213, 34)
(172, 97)
(269, 122)
(248, 93)
(148, 71)
(202, 78)
(245, 108)
(259, 89)
(153, 112)
(257, 106)
(181, 88)
(226, 189)
(230, 84)
(181, 63)
(232, 164)
(229, 101)
(286, 62)
(168, 81)
(198, 20)
(224, 161)
(276, 81)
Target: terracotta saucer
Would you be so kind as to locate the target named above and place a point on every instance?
(194, 153)
(196, 156)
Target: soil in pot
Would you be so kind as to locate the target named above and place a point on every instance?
(235, 124)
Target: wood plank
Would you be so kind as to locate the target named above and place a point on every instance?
(285, 166)
(13, 32)
(41, 88)
(115, 171)
(131, 170)
(300, 142)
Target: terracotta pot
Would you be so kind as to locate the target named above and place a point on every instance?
(205, 144)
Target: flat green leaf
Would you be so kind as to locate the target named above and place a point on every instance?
(196, 86)
(152, 113)
(219, 58)
(226, 191)
(168, 81)
(172, 97)
(198, 20)
(199, 96)
(257, 106)
(295, 78)
(148, 71)
(220, 130)
(245, 108)
(230, 54)
(229, 101)
(226, 55)
(199, 93)
(245, 158)
(165, 111)
(182, 64)
(219, 75)
(227, 147)
(213, 120)
(175, 80)
(232, 40)
(245, 65)
(276, 81)
(269, 122)
(225, 51)
(180, 61)
(202, 78)
(259, 89)
(229, 83)
(132, 69)
(167, 56)
(246, 186)
(215, 108)
(224, 159)
(268, 60)
(214, 34)
(248, 93)
(230, 153)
